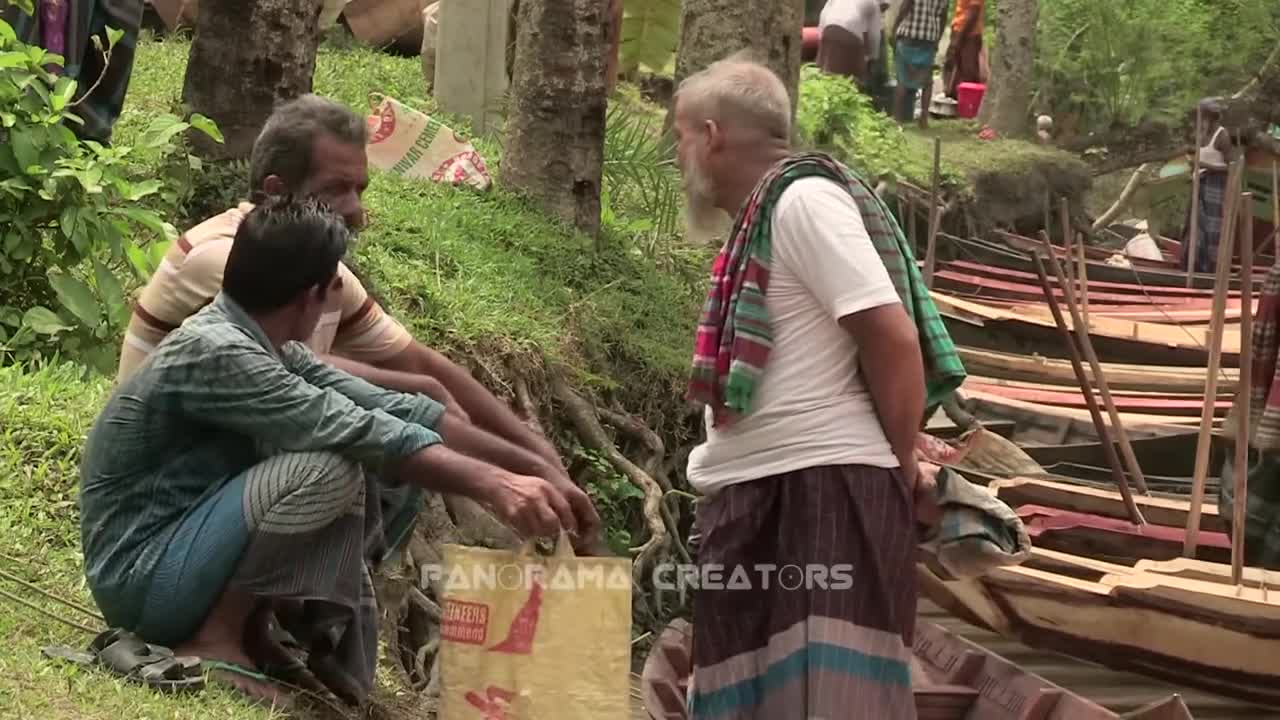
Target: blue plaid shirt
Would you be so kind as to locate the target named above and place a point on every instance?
(214, 399)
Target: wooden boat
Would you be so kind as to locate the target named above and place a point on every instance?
(1159, 314)
(1120, 376)
(1116, 540)
(996, 272)
(1030, 330)
(1185, 405)
(956, 678)
(1166, 459)
(951, 278)
(1166, 510)
(1046, 425)
(991, 253)
(1185, 624)
(951, 677)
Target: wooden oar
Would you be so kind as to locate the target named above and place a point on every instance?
(1189, 249)
(1065, 212)
(1086, 343)
(1238, 519)
(1108, 448)
(1223, 271)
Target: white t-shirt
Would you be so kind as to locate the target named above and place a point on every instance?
(857, 17)
(810, 407)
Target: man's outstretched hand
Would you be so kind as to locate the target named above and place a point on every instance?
(530, 505)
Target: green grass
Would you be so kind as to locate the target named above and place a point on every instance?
(480, 276)
(44, 415)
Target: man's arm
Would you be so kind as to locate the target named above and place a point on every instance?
(484, 409)
(458, 433)
(398, 381)
(903, 13)
(893, 370)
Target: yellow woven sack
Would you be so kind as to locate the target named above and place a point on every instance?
(530, 637)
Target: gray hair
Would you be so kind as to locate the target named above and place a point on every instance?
(741, 90)
(284, 146)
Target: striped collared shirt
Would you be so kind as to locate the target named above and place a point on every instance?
(215, 398)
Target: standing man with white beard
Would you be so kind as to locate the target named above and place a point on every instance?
(817, 355)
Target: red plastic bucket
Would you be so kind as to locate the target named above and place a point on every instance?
(969, 99)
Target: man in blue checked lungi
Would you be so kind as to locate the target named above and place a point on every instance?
(816, 357)
(229, 483)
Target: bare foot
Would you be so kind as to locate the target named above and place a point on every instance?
(261, 690)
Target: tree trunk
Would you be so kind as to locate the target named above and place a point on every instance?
(555, 130)
(1008, 98)
(247, 56)
(711, 30)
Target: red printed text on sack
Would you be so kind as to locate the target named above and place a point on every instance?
(465, 622)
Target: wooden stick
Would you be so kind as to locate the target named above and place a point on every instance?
(1275, 209)
(1084, 280)
(1086, 344)
(1077, 366)
(1223, 272)
(1238, 518)
(1064, 210)
(1189, 247)
(935, 215)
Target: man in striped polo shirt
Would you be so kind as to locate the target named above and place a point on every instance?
(315, 147)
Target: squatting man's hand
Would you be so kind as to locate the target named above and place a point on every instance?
(542, 507)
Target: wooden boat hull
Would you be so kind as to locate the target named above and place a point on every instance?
(1067, 397)
(1032, 331)
(1190, 632)
(1138, 291)
(993, 254)
(1120, 376)
(1046, 425)
(1001, 690)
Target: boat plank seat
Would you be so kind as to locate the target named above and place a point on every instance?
(1165, 511)
(1087, 534)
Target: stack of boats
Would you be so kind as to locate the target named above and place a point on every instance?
(1099, 586)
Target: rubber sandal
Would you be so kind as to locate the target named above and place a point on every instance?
(127, 656)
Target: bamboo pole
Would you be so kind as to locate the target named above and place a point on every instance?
(1238, 517)
(1064, 210)
(1189, 247)
(935, 215)
(1086, 344)
(1223, 272)
(1084, 280)
(1117, 474)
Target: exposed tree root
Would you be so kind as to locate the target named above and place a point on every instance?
(524, 400)
(585, 420)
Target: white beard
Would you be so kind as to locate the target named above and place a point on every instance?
(706, 223)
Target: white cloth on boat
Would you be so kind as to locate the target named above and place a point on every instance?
(978, 532)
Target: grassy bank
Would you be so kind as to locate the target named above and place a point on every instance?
(480, 276)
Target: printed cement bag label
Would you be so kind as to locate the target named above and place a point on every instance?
(412, 144)
(525, 637)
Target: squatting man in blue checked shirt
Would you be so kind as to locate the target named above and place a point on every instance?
(226, 477)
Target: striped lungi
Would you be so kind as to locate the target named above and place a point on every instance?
(817, 624)
(298, 527)
(1213, 186)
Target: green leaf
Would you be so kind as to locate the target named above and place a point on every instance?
(10, 316)
(113, 37)
(149, 220)
(206, 126)
(143, 189)
(111, 290)
(161, 131)
(13, 59)
(63, 91)
(67, 221)
(43, 321)
(7, 35)
(24, 149)
(77, 297)
(650, 33)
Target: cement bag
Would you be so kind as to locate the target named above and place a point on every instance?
(527, 637)
(410, 143)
